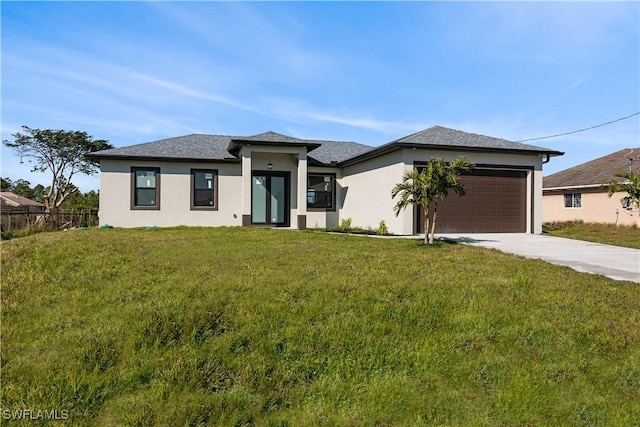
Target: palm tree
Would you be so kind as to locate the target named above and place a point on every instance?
(430, 185)
(631, 185)
(413, 190)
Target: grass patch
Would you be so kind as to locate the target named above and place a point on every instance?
(608, 234)
(243, 326)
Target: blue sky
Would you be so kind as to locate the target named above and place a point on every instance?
(133, 72)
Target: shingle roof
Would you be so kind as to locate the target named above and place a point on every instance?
(438, 137)
(225, 147)
(270, 138)
(216, 148)
(189, 147)
(445, 137)
(336, 151)
(595, 172)
(8, 198)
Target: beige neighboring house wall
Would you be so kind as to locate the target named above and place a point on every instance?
(584, 182)
(596, 207)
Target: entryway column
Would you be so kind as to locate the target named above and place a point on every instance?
(302, 190)
(246, 186)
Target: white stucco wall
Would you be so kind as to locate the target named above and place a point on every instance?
(365, 195)
(175, 195)
(596, 207)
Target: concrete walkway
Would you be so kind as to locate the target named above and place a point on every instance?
(612, 261)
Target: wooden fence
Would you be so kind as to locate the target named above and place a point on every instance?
(26, 217)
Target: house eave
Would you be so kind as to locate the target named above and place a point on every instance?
(387, 148)
(167, 159)
(235, 145)
(572, 187)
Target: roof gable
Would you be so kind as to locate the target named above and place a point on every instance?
(270, 138)
(595, 172)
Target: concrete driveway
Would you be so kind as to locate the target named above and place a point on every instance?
(611, 261)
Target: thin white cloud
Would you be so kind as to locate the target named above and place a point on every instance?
(382, 126)
(259, 44)
(575, 84)
(118, 80)
(190, 92)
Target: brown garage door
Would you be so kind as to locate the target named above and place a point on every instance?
(495, 202)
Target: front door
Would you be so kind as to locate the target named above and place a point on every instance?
(270, 198)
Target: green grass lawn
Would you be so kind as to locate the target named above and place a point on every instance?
(609, 234)
(246, 326)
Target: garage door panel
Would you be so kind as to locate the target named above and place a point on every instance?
(507, 209)
(509, 191)
(485, 210)
(495, 202)
(484, 189)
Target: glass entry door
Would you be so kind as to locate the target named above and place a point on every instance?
(269, 198)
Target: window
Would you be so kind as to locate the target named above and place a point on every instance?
(572, 200)
(145, 188)
(321, 192)
(204, 187)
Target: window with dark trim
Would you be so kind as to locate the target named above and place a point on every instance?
(573, 200)
(145, 188)
(204, 189)
(321, 192)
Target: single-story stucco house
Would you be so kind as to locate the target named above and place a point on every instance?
(577, 194)
(271, 179)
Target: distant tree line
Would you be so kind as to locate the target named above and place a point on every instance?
(76, 201)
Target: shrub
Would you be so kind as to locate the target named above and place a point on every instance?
(345, 224)
(382, 229)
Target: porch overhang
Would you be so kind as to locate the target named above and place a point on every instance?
(270, 139)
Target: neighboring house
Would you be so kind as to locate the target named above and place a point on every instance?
(276, 180)
(17, 211)
(10, 202)
(577, 193)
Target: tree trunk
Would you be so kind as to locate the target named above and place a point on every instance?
(425, 224)
(433, 224)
